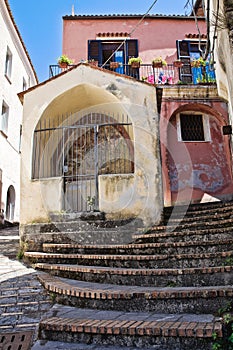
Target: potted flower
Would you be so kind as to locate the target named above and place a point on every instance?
(64, 61)
(93, 62)
(114, 65)
(178, 63)
(199, 62)
(135, 62)
(158, 62)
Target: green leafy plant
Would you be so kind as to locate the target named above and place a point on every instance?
(64, 59)
(199, 62)
(225, 342)
(134, 59)
(159, 60)
(91, 202)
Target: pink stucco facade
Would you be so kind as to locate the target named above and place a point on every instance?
(156, 35)
(190, 169)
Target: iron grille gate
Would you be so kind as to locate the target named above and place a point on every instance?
(95, 145)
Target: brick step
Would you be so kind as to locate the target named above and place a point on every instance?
(134, 261)
(187, 277)
(203, 215)
(177, 300)
(196, 225)
(174, 236)
(164, 248)
(168, 331)
(198, 207)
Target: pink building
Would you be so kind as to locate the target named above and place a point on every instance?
(196, 156)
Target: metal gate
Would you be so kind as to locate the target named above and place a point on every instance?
(93, 145)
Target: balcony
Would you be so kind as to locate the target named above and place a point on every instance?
(167, 75)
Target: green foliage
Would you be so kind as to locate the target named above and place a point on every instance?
(20, 254)
(226, 342)
(159, 60)
(134, 59)
(64, 59)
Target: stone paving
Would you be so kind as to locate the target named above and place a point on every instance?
(23, 300)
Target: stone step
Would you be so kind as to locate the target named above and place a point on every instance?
(164, 248)
(176, 300)
(194, 226)
(194, 235)
(187, 277)
(134, 261)
(198, 208)
(82, 238)
(140, 329)
(202, 215)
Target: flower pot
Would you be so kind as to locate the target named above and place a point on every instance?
(63, 65)
(114, 65)
(94, 63)
(135, 65)
(178, 64)
(157, 64)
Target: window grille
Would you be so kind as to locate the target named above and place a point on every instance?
(192, 127)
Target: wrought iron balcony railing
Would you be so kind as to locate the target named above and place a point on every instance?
(166, 75)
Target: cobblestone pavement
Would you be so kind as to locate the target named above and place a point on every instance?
(22, 298)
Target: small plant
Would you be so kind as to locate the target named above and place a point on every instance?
(63, 59)
(225, 342)
(91, 202)
(134, 60)
(158, 62)
(20, 254)
(199, 62)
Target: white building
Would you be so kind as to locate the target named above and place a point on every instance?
(16, 74)
(221, 46)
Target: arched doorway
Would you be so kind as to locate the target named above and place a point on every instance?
(10, 204)
(197, 155)
(81, 145)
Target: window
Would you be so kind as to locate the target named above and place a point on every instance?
(8, 63)
(193, 127)
(187, 51)
(24, 85)
(101, 50)
(4, 118)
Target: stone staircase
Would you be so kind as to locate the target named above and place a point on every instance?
(161, 291)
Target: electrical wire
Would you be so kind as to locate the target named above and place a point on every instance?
(132, 31)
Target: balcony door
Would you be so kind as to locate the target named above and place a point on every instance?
(112, 50)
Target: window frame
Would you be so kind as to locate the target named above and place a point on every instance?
(205, 123)
(4, 118)
(8, 64)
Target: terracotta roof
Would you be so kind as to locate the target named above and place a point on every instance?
(195, 36)
(20, 38)
(138, 16)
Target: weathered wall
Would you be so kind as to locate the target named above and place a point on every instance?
(192, 169)
(88, 89)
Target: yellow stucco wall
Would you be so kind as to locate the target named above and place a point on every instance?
(84, 90)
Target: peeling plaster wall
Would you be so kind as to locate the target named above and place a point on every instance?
(191, 169)
(86, 89)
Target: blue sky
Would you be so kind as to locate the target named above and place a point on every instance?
(40, 22)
